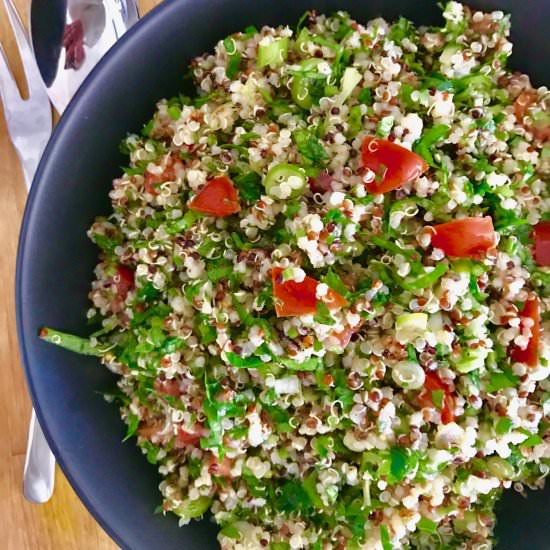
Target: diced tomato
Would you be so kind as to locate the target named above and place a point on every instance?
(150, 427)
(465, 238)
(345, 336)
(322, 183)
(392, 164)
(151, 180)
(187, 438)
(541, 132)
(124, 281)
(220, 468)
(292, 298)
(168, 387)
(447, 411)
(219, 197)
(432, 383)
(542, 243)
(523, 102)
(149, 183)
(529, 355)
(193, 437)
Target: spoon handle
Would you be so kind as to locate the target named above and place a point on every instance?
(39, 471)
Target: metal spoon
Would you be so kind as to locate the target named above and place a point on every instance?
(70, 36)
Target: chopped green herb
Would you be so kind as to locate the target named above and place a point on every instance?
(385, 538)
(133, 425)
(243, 362)
(503, 425)
(501, 380)
(323, 315)
(309, 146)
(291, 364)
(437, 398)
(249, 185)
(365, 96)
(427, 525)
(424, 146)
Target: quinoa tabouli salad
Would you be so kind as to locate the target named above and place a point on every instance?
(325, 282)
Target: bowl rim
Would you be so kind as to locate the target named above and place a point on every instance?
(103, 67)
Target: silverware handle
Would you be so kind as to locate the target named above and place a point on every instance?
(130, 12)
(39, 471)
(123, 15)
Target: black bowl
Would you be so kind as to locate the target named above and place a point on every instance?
(55, 261)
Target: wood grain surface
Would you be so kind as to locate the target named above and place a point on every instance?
(63, 523)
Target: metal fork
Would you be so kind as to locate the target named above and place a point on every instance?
(29, 125)
(29, 121)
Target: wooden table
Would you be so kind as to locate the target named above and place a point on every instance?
(63, 523)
